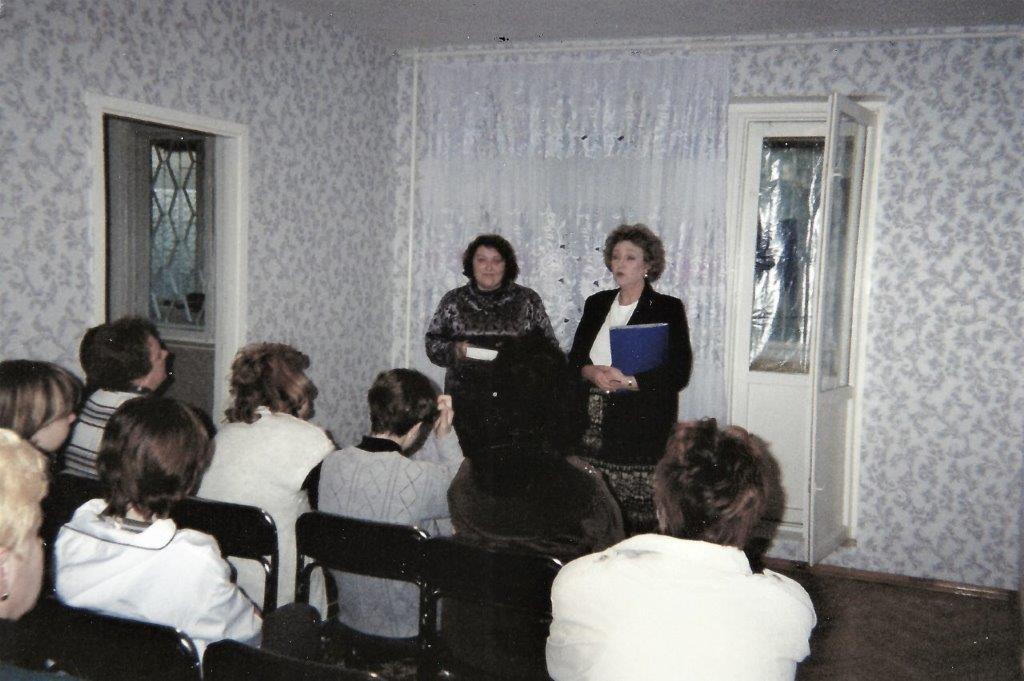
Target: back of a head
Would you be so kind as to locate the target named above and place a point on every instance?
(115, 354)
(710, 485)
(23, 484)
(399, 399)
(32, 394)
(270, 375)
(528, 422)
(153, 453)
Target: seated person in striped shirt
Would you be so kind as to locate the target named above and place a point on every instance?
(121, 360)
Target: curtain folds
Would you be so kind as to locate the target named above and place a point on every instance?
(554, 151)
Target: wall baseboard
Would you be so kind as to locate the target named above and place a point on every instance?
(987, 592)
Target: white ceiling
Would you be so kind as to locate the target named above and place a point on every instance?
(432, 23)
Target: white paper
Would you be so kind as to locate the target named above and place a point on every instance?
(473, 352)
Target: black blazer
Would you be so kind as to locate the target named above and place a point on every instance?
(635, 425)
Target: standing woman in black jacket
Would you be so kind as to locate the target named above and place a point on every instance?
(629, 418)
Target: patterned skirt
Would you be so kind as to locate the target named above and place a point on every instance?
(632, 484)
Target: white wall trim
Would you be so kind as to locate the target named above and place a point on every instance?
(720, 43)
(232, 214)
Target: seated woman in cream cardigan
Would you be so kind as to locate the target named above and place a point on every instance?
(266, 452)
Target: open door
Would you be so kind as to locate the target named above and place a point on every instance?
(850, 133)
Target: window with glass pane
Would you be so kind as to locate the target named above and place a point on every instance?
(841, 254)
(789, 198)
(177, 282)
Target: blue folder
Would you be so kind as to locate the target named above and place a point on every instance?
(639, 348)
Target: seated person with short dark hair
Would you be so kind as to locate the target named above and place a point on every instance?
(685, 604)
(521, 489)
(520, 486)
(121, 360)
(124, 556)
(389, 477)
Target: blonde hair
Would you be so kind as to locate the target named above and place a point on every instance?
(23, 484)
(34, 394)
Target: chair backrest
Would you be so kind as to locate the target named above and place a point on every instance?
(67, 493)
(231, 660)
(469, 572)
(455, 569)
(98, 647)
(362, 547)
(241, 531)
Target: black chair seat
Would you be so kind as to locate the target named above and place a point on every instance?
(230, 660)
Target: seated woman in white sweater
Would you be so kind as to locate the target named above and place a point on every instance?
(685, 603)
(265, 453)
(124, 556)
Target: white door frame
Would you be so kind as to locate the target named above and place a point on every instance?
(232, 220)
(744, 112)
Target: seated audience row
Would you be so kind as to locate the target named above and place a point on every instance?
(520, 487)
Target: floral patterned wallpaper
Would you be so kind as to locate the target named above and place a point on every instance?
(941, 456)
(941, 451)
(942, 430)
(319, 106)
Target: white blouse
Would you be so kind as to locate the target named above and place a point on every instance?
(618, 315)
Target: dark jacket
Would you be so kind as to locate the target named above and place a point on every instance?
(636, 425)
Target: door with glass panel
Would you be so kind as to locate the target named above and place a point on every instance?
(160, 238)
(795, 235)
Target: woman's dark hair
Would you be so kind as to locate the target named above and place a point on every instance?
(710, 485)
(502, 246)
(115, 354)
(153, 453)
(527, 423)
(641, 236)
(270, 375)
(399, 399)
(34, 394)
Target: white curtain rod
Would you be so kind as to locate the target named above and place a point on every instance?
(706, 44)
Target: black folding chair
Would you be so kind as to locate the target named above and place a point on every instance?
(505, 586)
(362, 547)
(67, 492)
(231, 660)
(241, 531)
(98, 647)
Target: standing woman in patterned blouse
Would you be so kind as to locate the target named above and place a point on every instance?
(482, 314)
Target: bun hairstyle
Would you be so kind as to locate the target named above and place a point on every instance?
(270, 375)
(711, 485)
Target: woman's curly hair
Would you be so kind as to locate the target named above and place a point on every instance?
(711, 485)
(270, 375)
(639, 235)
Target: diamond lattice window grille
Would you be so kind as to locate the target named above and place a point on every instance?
(177, 278)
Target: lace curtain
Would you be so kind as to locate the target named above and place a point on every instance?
(553, 152)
